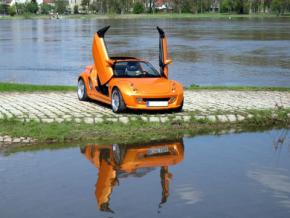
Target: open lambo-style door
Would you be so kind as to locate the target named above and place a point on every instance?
(102, 60)
(163, 61)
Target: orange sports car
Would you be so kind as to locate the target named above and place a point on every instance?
(128, 82)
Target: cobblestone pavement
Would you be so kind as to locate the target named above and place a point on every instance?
(59, 107)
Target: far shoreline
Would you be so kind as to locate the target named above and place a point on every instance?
(150, 16)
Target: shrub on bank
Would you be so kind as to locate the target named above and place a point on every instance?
(138, 8)
(12, 10)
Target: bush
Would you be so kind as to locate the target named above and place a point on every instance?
(45, 8)
(20, 8)
(277, 6)
(138, 8)
(12, 10)
(32, 7)
(60, 6)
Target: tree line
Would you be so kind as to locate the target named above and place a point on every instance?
(151, 6)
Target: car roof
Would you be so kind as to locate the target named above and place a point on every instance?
(122, 58)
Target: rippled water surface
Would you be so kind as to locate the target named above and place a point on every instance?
(234, 175)
(205, 52)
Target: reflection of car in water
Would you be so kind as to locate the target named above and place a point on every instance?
(114, 161)
(129, 82)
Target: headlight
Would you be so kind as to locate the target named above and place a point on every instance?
(173, 87)
(133, 87)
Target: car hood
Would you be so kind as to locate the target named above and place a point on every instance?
(151, 85)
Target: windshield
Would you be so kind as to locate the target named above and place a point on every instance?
(134, 69)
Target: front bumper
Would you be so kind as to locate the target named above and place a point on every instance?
(133, 101)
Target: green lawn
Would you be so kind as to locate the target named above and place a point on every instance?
(15, 87)
(136, 131)
(239, 88)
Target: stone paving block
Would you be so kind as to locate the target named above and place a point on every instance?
(59, 120)
(78, 120)
(47, 120)
(176, 118)
(154, 119)
(222, 118)
(211, 118)
(250, 116)
(99, 120)
(199, 117)
(7, 139)
(133, 118)
(89, 120)
(164, 119)
(240, 117)
(186, 118)
(112, 120)
(16, 140)
(232, 118)
(124, 120)
(144, 118)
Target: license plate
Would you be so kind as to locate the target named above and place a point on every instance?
(160, 150)
(157, 103)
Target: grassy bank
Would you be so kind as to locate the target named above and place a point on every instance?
(15, 87)
(239, 88)
(147, 16)
(137, 131)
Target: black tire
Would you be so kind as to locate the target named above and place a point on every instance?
(82, 90)
(179, 109)
(118, 104)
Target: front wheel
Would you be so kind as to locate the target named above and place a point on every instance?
(179, 109)
(82, 92)
(118, 104)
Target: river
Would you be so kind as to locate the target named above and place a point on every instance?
(232, 175)
(204, 51)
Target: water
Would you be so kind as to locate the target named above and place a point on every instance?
(204, 51)
(234, 175)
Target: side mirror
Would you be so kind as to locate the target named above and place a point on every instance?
(110, 62)
(168, 61)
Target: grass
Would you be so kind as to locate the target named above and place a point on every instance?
(239, 88)
(14, 87)
(136, 131)
(148, 16)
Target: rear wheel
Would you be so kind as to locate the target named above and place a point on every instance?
(118, 104)
(82, 92)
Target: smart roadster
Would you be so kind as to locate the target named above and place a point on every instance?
(129, 82)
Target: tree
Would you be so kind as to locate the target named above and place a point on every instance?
(12, 10)
(278, 6)
(45, 8)
(227, 5)
(85, 4)
(60, 6)
(76, 9)
(32, 7)
(138, 8)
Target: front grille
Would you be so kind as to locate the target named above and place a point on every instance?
(155, 99)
